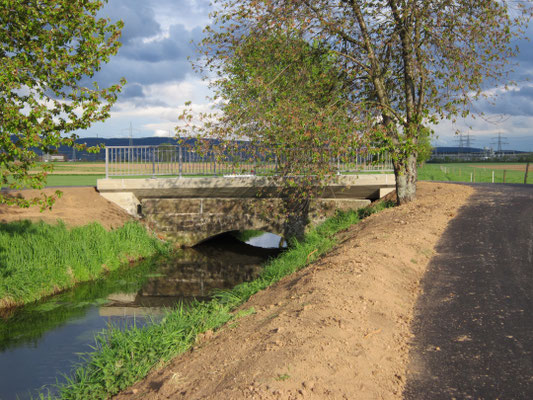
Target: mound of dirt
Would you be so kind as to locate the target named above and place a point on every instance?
(77, 206)
(338, 329)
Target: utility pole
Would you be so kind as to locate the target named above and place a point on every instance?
(500, 141)
(469, 140)
(460, 151)
(130, 131)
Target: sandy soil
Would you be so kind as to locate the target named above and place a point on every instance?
(338, 329)
(77, 206)
(511, 167)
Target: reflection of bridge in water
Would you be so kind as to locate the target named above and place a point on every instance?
(192, 209)
(192, 274)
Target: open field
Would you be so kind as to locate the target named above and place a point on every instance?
(86, 174)
(512, 167)
(468, 172)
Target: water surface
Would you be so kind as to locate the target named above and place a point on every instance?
(42, 341)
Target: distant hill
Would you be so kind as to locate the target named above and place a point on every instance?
(70, 154)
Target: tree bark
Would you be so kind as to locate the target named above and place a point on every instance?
(297, 210)
(406, 175)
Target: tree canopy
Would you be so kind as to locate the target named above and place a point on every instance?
(284, 96)
(49, 51)
(406, 64)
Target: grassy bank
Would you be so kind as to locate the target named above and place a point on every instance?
(468, 172)
(21, 327)
(38, 259)
(123, 357)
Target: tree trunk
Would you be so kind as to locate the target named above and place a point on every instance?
(297, 210)
(406, 175)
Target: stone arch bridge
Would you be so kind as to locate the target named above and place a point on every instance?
(191, 210)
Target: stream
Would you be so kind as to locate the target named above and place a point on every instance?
(42, 342)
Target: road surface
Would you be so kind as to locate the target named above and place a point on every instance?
(473, 330)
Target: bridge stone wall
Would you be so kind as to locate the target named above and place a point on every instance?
(191, 221)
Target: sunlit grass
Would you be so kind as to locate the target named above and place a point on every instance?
(462, 172)
(39, 259)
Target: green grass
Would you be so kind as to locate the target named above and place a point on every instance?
(466, 172)
(29, 324)
(123, 357)
(38, 259)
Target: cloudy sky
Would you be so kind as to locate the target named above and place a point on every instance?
(156, 42)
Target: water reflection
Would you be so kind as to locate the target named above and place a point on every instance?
(39, 342)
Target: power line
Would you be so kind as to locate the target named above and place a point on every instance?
(465, 141)
(500, 141)
(130, 129)
(469, 140)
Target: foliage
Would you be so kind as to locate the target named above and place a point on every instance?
(123, 357)
(47, 49)
(245, 236)
(285, 97)
(424, 145)
(38, 259)
(405, 64)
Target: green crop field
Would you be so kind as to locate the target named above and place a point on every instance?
(481, 172)
(86, 174)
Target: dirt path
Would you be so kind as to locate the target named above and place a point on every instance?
(473, 334)
(338, 329)
(77, 206)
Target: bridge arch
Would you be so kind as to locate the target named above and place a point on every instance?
(194, 220)
(191, 221)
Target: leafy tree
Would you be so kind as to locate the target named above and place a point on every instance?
(47, 47)
(424, 145)
(285, 97)
(407, 63)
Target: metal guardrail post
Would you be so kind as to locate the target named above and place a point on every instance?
(180, 164)
(153, 162)
(106, 163)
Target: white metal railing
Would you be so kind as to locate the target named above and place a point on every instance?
(175, 160)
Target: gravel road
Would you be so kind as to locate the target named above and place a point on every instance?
(473, 330)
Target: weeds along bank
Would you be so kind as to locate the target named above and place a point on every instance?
(39, 259)
(124, 357)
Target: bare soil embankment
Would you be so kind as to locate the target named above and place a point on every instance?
(339, 329)
(77, 206)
